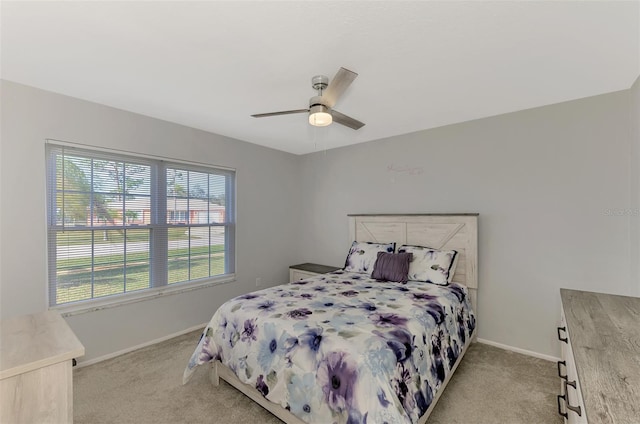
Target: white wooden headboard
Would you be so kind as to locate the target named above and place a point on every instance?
(440, 231)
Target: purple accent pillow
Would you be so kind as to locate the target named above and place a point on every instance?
(392, 267)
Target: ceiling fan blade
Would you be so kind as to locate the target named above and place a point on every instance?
(345, 120)
(337, 86)
(284, 112)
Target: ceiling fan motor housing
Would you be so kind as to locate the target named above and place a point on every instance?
(317, 101)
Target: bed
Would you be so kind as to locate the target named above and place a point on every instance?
(345, 348)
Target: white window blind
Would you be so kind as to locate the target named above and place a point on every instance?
(119, 224)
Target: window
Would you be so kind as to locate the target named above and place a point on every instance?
(119, 224)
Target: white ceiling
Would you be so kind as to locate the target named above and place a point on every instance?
(421, 64)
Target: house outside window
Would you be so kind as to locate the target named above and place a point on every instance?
(119, 224)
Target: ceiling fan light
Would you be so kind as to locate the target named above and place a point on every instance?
(319, 116)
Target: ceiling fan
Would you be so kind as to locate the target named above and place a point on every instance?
(321, 112)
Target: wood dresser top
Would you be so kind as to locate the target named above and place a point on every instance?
(317, 268)
(35, 341)
(605, 337)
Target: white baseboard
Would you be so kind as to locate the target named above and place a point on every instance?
(81, 364)
(518, 350)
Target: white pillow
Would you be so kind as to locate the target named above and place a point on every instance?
(362, 256)
(431, 265)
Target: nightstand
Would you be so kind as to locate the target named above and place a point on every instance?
(302, 271)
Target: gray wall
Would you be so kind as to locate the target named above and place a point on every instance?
(634, 184)
(267, 181)
(543, 182)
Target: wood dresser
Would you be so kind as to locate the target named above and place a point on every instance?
(36, 384)
(600, 366)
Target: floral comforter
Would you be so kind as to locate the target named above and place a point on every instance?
(341, 347)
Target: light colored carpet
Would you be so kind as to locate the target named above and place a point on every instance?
(490, 386)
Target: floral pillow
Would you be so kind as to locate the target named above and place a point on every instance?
(362, 256)
(431, 265)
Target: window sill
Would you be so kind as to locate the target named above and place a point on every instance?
(115, 301)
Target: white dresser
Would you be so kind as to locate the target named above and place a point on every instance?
(600, 365)
(36, 384)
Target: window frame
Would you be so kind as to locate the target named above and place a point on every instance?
(157, 245)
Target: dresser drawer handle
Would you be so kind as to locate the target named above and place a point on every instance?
(575, 409)
(564, 377)
(564, 398)
(566, 340)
